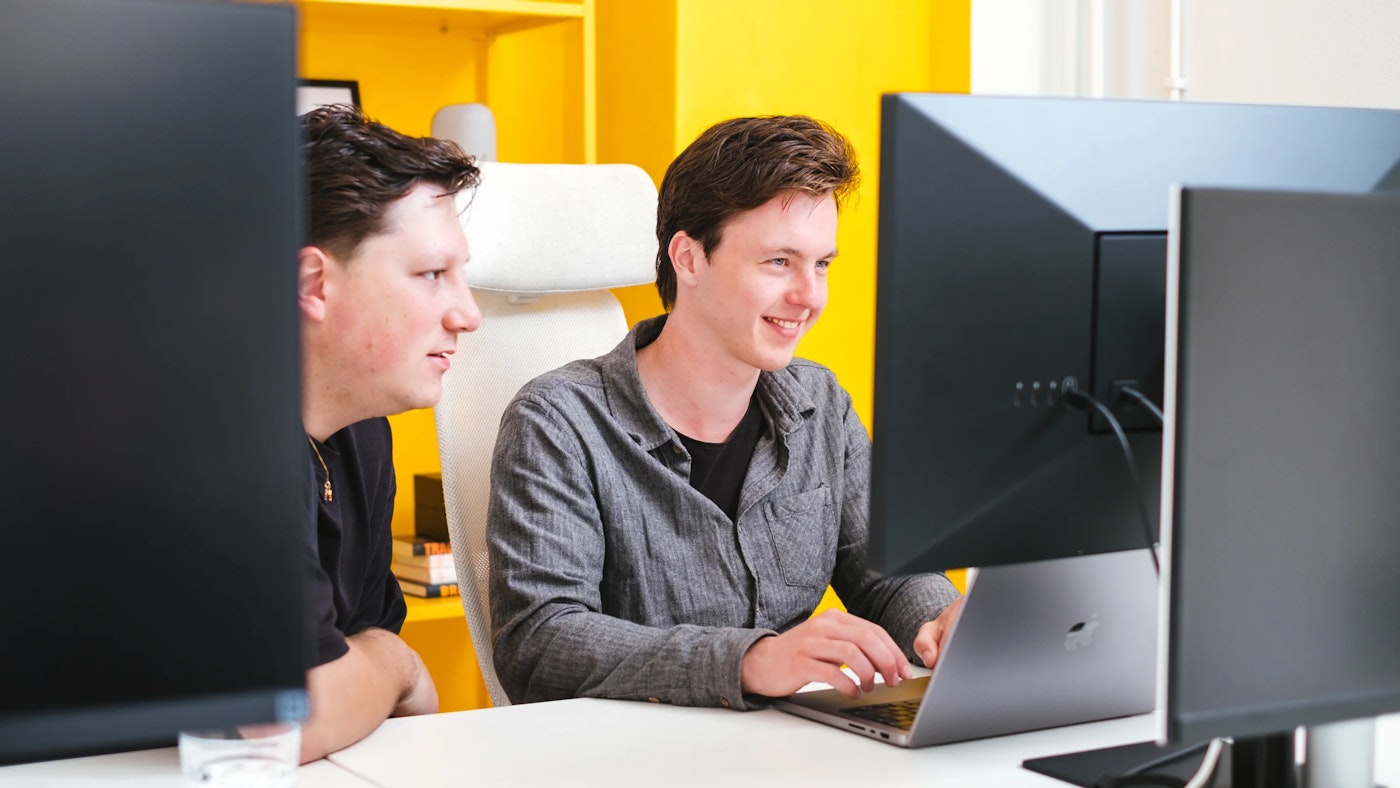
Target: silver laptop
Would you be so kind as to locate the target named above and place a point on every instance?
(1035, 645)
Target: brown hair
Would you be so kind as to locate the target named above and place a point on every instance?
(739, 165)
(356, 167)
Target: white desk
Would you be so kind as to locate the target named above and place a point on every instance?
(147, 769)
(619, 743)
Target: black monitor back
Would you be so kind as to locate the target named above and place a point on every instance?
(1022, 242)
(1284, 524)
(153, 457)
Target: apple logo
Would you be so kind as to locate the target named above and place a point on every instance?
(1081, 635)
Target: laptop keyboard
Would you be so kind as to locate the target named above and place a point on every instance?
(899, 714)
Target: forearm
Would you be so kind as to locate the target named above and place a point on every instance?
(588, 654)
(352, 695)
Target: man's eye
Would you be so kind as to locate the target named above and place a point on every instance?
(823, 264)
(779, 261)
(432, 276)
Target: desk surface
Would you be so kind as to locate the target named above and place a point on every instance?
(618, 743)
(612, 743)
(147, 769)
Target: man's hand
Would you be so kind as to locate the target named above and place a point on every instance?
(379, 677)
(816, 649)
(421, 697)
(928, 644)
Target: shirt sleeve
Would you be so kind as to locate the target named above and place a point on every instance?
(901, 605)
(547, 545)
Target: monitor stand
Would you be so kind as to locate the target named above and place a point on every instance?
(1267, 761)
(1338, 755)
(1114, 765)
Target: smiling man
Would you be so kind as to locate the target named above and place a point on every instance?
(383, 297)
(665, 518)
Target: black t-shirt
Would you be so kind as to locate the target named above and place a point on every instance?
(349, 586)
(717, 470)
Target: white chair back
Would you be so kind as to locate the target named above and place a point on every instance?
(547, 241)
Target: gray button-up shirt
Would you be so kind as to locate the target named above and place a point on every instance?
(612, 577)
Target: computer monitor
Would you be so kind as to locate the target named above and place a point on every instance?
(153, 458)
(1022, 243)
(1282, 455)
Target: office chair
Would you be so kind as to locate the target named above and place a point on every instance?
(546, 240)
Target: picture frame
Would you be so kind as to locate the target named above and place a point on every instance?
(313, 93)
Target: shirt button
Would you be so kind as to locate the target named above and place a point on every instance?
(724, 702)
(653, 699)
(675, 449)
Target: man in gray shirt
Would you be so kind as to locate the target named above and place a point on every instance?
(665, 518)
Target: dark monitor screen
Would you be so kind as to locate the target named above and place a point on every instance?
(153, 457)
(1284, 525)
(1022, 243)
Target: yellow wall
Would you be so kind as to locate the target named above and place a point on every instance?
(533, 88)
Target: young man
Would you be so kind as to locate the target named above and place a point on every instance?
(666, 517)
(383, 298)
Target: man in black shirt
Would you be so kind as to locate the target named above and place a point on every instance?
(383, 297)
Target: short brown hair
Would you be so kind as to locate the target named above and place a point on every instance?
(355, 167)
(739, 165)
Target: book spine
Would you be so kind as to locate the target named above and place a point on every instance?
(442, 560)
(417, 548)
(424, 574)
(429, 591)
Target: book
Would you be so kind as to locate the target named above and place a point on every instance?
(429, 590)
(419, 546)
(441, 559)
(424, 574)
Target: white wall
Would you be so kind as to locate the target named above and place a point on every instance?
(1071, 47)
(1332, 52)
(1335, 52)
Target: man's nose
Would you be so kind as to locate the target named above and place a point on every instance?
(808, 290)
(464, 315)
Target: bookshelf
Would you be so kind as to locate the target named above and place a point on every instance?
(532, 61)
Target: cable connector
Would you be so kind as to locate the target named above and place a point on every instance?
(1072, 396)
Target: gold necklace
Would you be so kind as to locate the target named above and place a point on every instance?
(325, 491)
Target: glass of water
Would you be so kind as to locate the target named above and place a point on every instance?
(250, 755)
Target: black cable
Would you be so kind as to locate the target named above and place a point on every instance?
(1075, 398)
(1143, 401)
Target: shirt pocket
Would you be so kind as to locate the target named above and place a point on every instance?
(803, 530)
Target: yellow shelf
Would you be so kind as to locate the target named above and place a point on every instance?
(420, 609)
(515, 7)
(499, 16)
(532, 61)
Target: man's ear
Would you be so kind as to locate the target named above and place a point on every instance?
(686, 256)
(312, 262)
